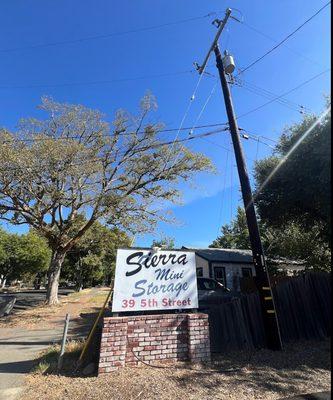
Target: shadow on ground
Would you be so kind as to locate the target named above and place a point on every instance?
(79, 329)
(275, 371)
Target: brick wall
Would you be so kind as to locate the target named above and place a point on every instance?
(154, 339)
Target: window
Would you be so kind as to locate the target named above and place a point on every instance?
(247, 272)
(219, 274)
(210, 284)
(207, 284)
(199, 271)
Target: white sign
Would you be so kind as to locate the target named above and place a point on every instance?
(147, 280)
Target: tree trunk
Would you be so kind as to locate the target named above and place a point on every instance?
(53, 276)
(78, 276)
(3, 281)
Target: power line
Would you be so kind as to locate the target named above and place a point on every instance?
(263, 34)
(213, 125)
(284, 94)
(257, 149)
(200, 126)
(231, 186)
(187, 110)
(257, 139)
(253, 137)
(216, 144)
(105, 36)
(266, 96)
(192, 98)
(222, 195)
(203, 108)
(41, 139)
(259, 136)
(284, 40)
(251, 87)
(102, 82)
(144, 148)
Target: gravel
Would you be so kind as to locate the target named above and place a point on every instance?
(302, 367)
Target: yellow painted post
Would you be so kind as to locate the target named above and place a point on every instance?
(92, 331)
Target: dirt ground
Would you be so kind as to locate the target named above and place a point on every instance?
(25, 333)
(81, 306)
(299, 368)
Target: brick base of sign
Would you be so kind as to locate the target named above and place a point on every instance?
(153, 339)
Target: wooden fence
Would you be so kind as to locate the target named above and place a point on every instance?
(303, 305)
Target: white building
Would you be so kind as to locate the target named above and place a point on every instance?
(225, 265)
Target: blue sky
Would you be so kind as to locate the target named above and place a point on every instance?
(66, 72)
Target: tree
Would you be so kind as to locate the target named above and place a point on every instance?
(22, 256)
(74, 163)
(290, 241)
(166, 242)
(9, 244)
(92, 258)
(234, 235)
(293, 242)
(299, 192)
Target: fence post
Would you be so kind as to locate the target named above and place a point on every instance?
(63, 343)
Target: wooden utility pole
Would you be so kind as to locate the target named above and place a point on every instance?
(273, 337)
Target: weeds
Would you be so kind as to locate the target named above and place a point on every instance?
(48, 360)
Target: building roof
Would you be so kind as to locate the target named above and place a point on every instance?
(223, 255)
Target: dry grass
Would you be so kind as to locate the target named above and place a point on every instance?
(48, 360)
(75, 303)
(300, 368)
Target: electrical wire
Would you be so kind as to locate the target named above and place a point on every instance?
(280, 99)
(203, 108)
(263, 34)
(284, 94)
(222, 195)
(216, 144)
(192, 98)
(105, 36)
(257, 139)
(102, 82)
(179, 129)
(259, 136)
(42, 139)
(251, 87)
(257, 150)
(284, 39)
(231, 186)
(144, 148)
(258, 93)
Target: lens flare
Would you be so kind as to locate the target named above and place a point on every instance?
(291, 151)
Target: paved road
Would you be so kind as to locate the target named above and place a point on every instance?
(18, 349)
(31, 298)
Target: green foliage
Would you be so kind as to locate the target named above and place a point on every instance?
(234, 235)
(294, 202)
(92, 259)
(23, 256)
(166, 243)
(291, 241)
(299, 192)
(80, 164)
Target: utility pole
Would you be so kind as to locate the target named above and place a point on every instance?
(273, 337)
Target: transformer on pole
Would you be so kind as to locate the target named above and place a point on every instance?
(226, 66)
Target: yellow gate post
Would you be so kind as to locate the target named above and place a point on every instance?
(92, 331)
